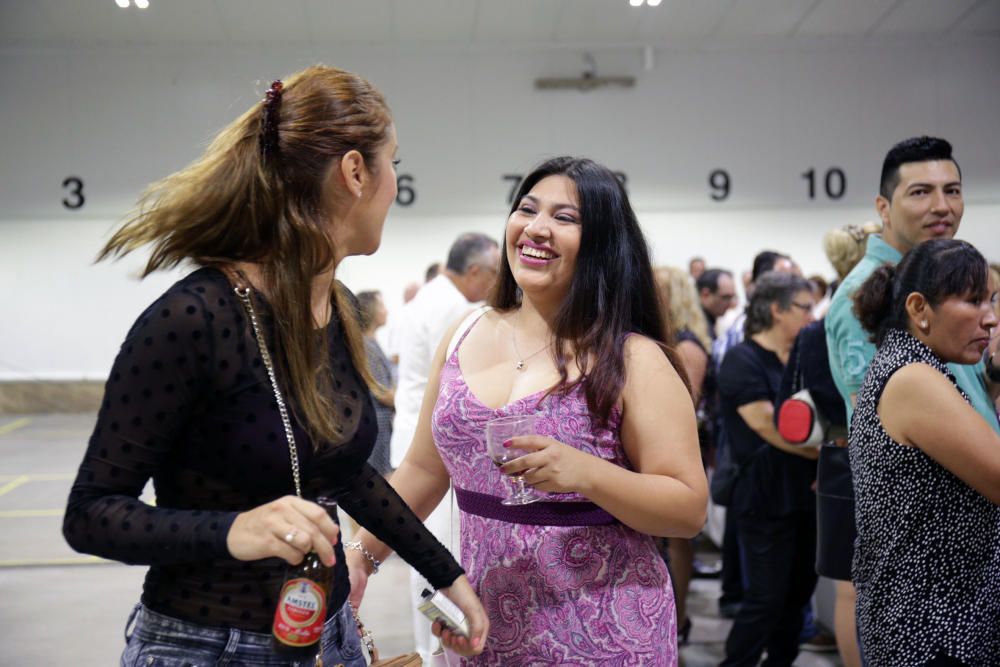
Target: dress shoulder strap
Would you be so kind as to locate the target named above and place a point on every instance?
(464, 328)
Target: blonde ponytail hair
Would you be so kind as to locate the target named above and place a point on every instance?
(845, 246)
(233, 205)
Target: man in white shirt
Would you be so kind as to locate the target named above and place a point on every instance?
(389, 339)
(468, 275)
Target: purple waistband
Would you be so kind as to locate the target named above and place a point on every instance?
(542, 513)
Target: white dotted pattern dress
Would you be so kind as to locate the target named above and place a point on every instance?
(927, 556)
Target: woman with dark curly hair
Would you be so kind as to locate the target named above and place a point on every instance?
(926, 465)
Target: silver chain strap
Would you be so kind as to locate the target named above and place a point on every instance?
(293, 455)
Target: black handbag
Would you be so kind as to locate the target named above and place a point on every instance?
(835, 527)
(724, 477)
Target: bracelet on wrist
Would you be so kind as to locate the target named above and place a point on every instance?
(992, 372)
(369, 556)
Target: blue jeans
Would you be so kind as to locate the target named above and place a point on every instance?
(156, 640)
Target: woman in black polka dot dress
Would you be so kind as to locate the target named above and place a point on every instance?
(926, 466)
(300, 181)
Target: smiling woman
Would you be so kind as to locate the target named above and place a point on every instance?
(573, 338)
(926, 466)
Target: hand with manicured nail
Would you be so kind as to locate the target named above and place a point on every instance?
(550, 465)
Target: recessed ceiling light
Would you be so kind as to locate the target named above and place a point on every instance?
(634, 3)
(651, 3)
(142, 4)
(122, 3)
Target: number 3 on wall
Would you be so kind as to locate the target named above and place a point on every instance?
(75, 199)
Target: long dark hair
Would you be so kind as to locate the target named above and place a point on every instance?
(613, 292)
(937, 269)
(257, 195)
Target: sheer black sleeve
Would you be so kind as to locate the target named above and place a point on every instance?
(375, 505)
(159, 379)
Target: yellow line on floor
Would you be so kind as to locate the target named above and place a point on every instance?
(52, 477)
(10, 427)
(24, 514)
(13, 484)
(55, 562)
(41, 477)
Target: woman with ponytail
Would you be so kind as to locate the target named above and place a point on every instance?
(243, 391)
(926, 466)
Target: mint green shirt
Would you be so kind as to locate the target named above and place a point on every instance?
(851, 351)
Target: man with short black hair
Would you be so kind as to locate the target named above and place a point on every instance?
(432, 272)
(717, 293)
(920, 198)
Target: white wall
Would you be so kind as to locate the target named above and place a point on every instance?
(119, 118)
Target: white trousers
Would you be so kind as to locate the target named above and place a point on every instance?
(443, 524)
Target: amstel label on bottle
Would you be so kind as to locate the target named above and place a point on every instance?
(298, 620)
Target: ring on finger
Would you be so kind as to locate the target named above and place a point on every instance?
(290, 535)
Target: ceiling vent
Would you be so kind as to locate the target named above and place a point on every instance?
(587, 81)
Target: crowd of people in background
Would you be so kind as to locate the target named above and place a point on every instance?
(254, 392)
(791, 513)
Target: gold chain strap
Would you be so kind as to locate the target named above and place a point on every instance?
(367, 638)
(243, 293)
(242, 289)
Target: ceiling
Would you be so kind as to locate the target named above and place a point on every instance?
(470, 23)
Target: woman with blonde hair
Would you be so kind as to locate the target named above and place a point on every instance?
(688, 329)
(835, 530)
(845, 246)
(243, 392)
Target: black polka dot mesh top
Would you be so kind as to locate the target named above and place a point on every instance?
(927, 555)
(189, 404)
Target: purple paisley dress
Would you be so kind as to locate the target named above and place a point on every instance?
(555, 595)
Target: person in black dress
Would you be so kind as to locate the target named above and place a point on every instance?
(926, 465)
(297, 183)
(772, 501)
(372, 315)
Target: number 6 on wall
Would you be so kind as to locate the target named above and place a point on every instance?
(405, 194)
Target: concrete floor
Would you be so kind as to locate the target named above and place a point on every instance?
(63, 608)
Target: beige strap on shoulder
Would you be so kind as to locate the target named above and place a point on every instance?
(464, 327)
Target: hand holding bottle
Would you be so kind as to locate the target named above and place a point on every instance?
(286, 528)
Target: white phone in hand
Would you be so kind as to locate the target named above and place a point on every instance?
(437, 607)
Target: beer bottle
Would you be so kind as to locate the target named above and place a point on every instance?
(302, 607)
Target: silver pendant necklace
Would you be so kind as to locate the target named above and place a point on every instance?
(519, 366)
